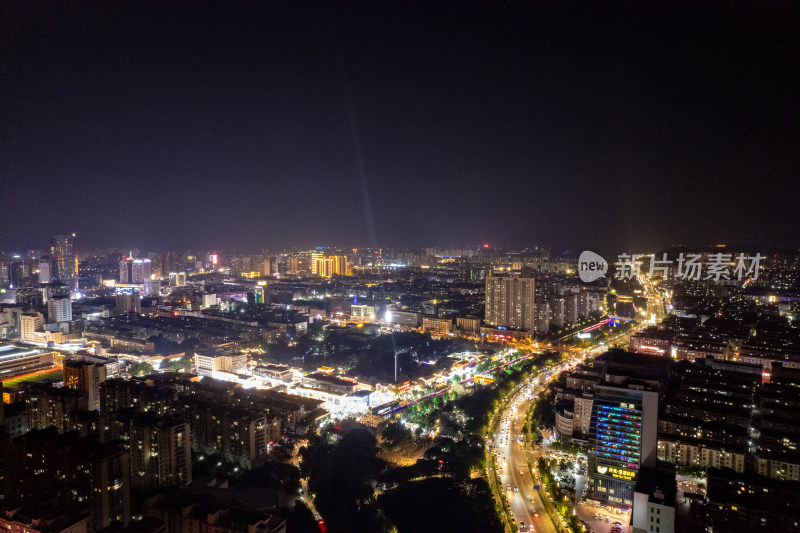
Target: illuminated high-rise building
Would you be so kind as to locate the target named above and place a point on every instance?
(510, 302)
(64, 255)
(571, 307)
(624, 431)
(161, 452)
(338, 265)
(332, 265)
(141, 270)
(316, 261)
(125, 270)
(558, 312)
(134, 270)
(542, 318)
(19, 272)
(85, 377)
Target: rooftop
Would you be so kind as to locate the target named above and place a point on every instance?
(10, 351)
(329, 379)
(659, 484)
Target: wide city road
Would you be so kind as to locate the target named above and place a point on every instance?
(512, 456)
(512, 462)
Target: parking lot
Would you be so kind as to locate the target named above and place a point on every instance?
(587, 513)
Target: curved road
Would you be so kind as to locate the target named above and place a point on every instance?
(512, 456)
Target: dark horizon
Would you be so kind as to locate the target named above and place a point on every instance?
(218, 126)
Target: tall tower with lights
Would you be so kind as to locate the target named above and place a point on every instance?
(64, 255)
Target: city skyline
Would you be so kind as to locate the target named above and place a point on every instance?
(38, 250)
(210, 126)
(661, 377)
(399, 267)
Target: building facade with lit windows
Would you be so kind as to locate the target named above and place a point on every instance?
(362, 313)
(315, 260)
(85, 377)
(161, 452)
(64, 255)
(177, 279)
(624, 430)
(437, 327)
(59, 310)
(510, 302)
(209, 361)
(541, 321)
(749, 502)
(404, 318)
(134, 270)
(29, 324)
(73, 472)
(242, 436)
(47, 406)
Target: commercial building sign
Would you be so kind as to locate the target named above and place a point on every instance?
(619, 473)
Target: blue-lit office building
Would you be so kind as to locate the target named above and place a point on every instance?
(624, 431)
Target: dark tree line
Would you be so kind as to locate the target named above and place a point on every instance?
(342, 478)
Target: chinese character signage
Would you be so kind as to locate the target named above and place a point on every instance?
(715, 267)
(619, 473)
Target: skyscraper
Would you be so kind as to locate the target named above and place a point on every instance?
(510, 302)
(557, 312)
(571, 307)
(125, 268)
(177, 279)
(542, 318)
(331, 265)
(624, 428)
(134, 270)
(316, 261)
(64, 254)
(161, 452)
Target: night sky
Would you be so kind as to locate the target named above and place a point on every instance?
(223, 125)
